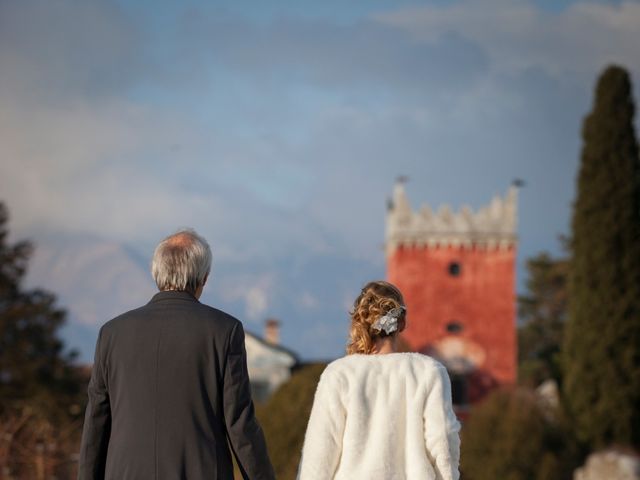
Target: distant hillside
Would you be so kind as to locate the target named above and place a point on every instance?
(284, 419)
(94, 279)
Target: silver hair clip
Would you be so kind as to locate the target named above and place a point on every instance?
(389, 321)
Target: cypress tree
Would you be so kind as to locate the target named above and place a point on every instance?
(602, 338)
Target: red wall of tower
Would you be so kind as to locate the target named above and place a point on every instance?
(481, 299)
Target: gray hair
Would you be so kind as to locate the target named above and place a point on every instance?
(181, 261)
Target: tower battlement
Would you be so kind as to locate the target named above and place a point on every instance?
(491, 227)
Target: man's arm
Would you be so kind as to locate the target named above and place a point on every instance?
(245, 435)
(97, 423)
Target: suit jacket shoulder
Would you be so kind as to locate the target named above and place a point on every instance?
(181, 306)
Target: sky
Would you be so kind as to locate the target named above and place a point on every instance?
(276, 130)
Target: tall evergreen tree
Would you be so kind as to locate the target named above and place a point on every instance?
(602, 339)
(35, 371)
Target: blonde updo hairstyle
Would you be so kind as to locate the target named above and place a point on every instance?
(376, 299)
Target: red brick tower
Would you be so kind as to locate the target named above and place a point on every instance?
(457, 274)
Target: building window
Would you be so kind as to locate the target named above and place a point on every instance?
(454, 327)
(454, 269)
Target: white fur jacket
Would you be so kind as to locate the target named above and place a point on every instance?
(382, 417)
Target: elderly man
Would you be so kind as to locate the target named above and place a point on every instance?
(169, 391)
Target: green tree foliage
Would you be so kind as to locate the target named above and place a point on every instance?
(542, 312)
(35, 372)
(602, 338)
(284, 419)
(510, 436)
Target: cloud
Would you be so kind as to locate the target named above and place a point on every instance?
(69, 134)
(254, 292)
(279, 140)
(81, 154)
(518, 36)
(366, 56)
(257, 302)
(105, 162)
(308, 301)
(59, 50)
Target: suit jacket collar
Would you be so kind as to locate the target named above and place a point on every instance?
(173, 295)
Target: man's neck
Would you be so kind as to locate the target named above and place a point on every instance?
(196, 294)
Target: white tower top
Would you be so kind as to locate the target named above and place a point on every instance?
(493, 226)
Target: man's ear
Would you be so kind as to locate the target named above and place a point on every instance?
(204, 282)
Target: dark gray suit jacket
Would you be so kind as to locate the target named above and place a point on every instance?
(169, 393)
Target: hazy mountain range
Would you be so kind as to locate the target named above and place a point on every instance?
(94, 279)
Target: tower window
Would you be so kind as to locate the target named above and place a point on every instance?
(454, 327)
(454, 269)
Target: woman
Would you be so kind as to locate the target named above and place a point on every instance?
(379, 414)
